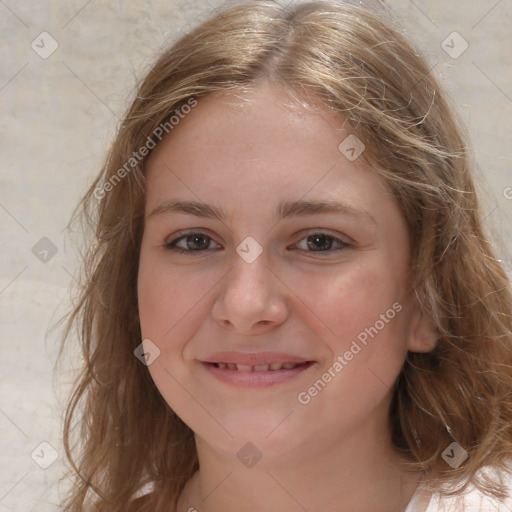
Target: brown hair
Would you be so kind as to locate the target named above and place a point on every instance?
(355, 64)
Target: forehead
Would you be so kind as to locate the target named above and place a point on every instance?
(260, 145)
(242, 122)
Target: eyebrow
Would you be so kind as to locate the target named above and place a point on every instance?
(284, 210)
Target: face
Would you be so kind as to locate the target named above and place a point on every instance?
(296, 255)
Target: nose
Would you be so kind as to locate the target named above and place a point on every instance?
(251, 298)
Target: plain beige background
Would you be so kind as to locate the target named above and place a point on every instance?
(57, 117)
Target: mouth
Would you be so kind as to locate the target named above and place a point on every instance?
(256, 376)
(260, 367)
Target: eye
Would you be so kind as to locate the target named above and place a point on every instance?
(199, 242)
(321, 242)
(190, 242)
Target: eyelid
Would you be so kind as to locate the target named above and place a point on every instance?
(324, 231)
(343, 240)
(169, 243)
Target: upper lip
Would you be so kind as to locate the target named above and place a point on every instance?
(254, 358)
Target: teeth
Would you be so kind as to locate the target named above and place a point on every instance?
(257, 368)
(244, 368)
(261, 368)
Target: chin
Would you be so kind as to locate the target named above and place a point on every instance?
(259, 440)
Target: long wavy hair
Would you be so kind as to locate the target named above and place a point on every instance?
(120, 436)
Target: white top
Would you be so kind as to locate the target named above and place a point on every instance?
(471, 501)
(422, 501)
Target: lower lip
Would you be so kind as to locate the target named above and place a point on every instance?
(256, 379)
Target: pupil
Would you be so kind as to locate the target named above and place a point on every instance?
(319, 238)
(195, 243)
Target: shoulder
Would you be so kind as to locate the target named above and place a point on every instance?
(473, 500)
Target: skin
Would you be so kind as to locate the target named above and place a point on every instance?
(246, 154)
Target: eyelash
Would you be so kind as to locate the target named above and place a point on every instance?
(171, 245)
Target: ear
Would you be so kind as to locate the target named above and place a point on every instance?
(422, 333)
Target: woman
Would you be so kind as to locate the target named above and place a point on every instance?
(291, 304)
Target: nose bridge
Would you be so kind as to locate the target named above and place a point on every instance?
(250, 295)
(249, 273)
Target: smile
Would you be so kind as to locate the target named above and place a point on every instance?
(262, 375)
(260, 367)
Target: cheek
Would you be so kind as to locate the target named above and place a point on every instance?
(352, 298)
(154, 298)
(362, 317)
(363, 303)
(171, 300)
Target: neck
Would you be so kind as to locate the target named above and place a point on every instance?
(360, 471)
